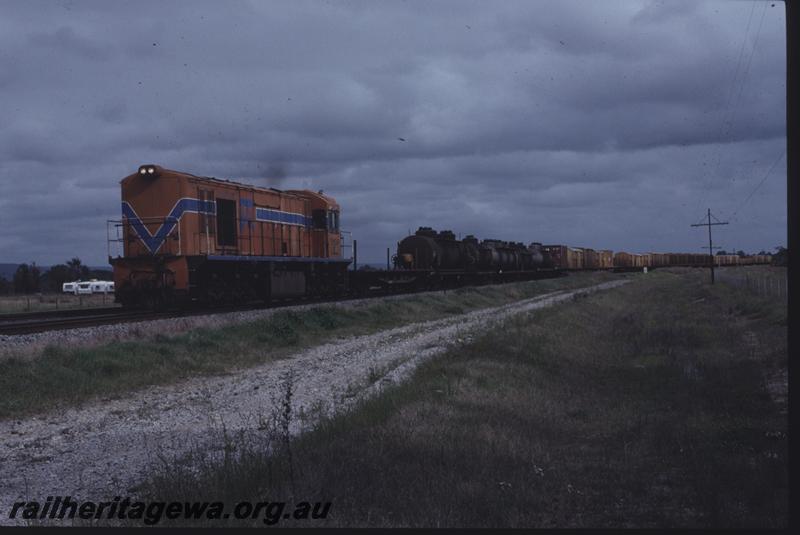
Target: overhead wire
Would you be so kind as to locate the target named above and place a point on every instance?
(761, 183)
(728, 111)
(746, 71)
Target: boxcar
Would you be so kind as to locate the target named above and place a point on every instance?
(623, 259)
(605, 258)
(726, 260)
(591, 260)
(575, 258)
(557, 255)
(658, 259)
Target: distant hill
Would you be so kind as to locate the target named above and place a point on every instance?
(7, 270)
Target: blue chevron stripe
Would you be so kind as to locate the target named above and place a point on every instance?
(287, 218)
(153, 242)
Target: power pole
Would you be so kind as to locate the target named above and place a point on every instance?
(709, 224)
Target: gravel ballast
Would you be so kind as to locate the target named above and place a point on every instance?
(105, 448)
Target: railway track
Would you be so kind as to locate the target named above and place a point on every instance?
(35, 322)
(32, 322)
(47, 321)
(63, 313)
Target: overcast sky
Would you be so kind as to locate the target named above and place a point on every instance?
(605, 124)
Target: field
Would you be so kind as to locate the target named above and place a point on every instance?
(658, 404)
(14, 304)
(766, 281)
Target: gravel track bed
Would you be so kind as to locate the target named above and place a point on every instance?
(105, 448)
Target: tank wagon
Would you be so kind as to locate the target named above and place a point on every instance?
(441, 252)
(429, 260)
(190, 238)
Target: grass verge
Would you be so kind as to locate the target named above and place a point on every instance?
(15, 304)
(644, 406)
(65, 376)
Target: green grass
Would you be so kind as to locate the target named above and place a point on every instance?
(636, 407)
(66, 376)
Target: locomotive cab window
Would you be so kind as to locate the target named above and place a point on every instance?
(318, 217)
(333, 220)
(226, 223)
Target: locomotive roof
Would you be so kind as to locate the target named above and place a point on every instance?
(170, 173)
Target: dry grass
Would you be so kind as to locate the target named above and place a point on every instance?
(639, 407)
(66, 375)
(15, 304)
(765, 281)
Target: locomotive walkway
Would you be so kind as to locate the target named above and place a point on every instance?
(104, 449)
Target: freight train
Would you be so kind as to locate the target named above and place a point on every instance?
(189, 239)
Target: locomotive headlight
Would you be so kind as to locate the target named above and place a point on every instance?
(151, 170)
(142, 171)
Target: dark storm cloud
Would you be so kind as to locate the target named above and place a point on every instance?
(605, 124)
(65, 40)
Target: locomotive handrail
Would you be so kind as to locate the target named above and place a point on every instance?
(117, 223)
(121, 224)
(345, 244)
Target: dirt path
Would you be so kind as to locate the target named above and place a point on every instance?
(103, 449)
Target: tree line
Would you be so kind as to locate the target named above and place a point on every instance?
(29, 278)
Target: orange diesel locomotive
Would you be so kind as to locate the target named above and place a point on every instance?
(188, 238)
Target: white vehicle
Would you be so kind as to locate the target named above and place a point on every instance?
(93, 286)
(83, 288)
(99, 287)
